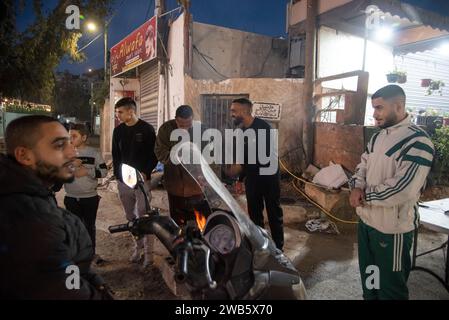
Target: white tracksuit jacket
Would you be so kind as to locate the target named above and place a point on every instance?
(393, 172)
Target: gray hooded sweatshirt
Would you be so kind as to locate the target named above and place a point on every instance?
(86, 187)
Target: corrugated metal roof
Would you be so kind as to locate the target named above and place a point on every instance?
(412, 13)
(439, 6)
(350, 18)
(421, 46)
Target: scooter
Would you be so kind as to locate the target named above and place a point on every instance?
(224, 256)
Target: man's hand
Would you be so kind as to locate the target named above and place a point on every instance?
(77, 163)
(357, 198)
(81, 171)
(239, 188)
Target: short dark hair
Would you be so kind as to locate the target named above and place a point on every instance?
(127, 103)
(81, 128)
(24, 132)
(388, 92)
(243, 101)
(184, 112)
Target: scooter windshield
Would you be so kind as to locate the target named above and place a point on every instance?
(190, 157)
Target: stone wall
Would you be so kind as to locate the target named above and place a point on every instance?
(287, 92)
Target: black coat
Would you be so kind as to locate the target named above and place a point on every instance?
(39, 240)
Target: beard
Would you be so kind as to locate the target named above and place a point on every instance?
(237, 121)
(390, 121)
(52, 174)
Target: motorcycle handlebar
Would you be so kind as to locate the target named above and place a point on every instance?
(182, 268)
(119, 228)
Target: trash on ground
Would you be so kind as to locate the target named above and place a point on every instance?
(332, 176)
(322, 225)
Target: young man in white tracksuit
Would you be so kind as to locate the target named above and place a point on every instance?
(385, 190)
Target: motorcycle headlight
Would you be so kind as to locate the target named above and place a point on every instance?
(222, 232)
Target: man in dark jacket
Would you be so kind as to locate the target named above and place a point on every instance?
(184, 194)
(45, 251)
(262, 183)
(133, 144)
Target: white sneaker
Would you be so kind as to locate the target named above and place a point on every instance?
(136, 256)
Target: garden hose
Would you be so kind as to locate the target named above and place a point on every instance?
(308, 198)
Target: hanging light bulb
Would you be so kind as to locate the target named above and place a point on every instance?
(384, 33)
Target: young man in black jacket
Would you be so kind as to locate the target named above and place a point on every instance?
(133, 144)
(45, 251)
(262, 182)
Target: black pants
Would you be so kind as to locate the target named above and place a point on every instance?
(86, 210)
(183, 209)
(260, 189)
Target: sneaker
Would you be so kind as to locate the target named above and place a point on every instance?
(135, 257)
(98, 260)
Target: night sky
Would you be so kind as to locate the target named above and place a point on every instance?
(259, 16)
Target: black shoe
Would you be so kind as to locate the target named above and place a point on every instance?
(98, 260)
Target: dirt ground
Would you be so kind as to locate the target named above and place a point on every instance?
(129, 280)
(327, 262)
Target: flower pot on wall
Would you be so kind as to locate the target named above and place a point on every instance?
(425, 82)
(445, 121)
(435, 86)
(392, 77)
(402, 78)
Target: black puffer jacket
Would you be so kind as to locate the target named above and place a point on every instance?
(38, 241)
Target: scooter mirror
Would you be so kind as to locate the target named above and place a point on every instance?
(129, 175)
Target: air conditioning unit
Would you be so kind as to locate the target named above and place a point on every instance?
(297, 46)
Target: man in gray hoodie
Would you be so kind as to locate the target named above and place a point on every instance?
(81, 197)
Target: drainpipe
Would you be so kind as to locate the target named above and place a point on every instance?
(159, 7)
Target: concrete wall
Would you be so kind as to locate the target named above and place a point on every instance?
(236, 54)
(287, 92)
(340, 52)
(298, 12)
(342, 144)
(107, 116)
(175, 91)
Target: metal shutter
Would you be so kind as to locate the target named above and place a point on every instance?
(149, 92)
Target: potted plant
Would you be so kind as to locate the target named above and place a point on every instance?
(402, 77)
(392, 77)
(425, 82)
(446, 119)
(397, 76)
(435, 85)
(441, 142)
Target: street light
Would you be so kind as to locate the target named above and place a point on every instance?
(91, 26)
